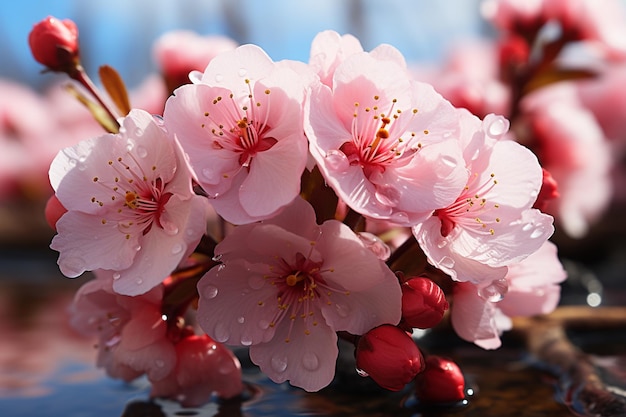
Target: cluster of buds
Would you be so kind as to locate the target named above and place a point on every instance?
(390, 356)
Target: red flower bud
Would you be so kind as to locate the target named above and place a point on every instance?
(549, 191)
(54, 43)
(423, 303)
(54, 210)
(389, 356)
(441, 382)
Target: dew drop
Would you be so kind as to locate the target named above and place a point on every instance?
(170, 228)
(159, 363)
(210, 292)
(72, 162)
(116, 276)
(495, 291)
(527, 227)
(74, 265)
(256, 282)
(217, 258)
(221, 267)
(219, 78)
(82, 158)
(241, 320)
(337, 161)
(177, 248)
(342, 310)
(375, 245)
(360, 372)
(538, 232)
(496, 126)
(142, 152)
(446, 262)
(242, 72)
(310, 361)
(442, 243)
(138, 131)
(388, 195)
(130, 145)
(81, 166)
(279, 363)
(139, 281)
(138, 248)
(264, 324)
(246, 340)
(399, 217)
(221, 332)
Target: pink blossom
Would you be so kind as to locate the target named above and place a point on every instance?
(385, 143)
(131, 209)
(533, 284)
(491, 224)
(286, 286)
(132, 336)
(180, 52)
(241, 125)
(571, 145)
(329, 49)
(529, 288)
(203, 367)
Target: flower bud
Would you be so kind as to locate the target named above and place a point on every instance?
(549, 191)
(54, 43)
(53, 212)
(441, 382)
(423, 303)
(389, 356)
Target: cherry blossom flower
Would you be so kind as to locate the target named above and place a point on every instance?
(179, 52)
(131, 209)
(286, 286)
(385, 143)
(241, 125)
(491, 224)
(530, 288)
(132, 336)
(572, 147)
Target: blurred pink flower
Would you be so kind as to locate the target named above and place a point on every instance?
(491, 223)
(241, 125)
(132, 336)
(572, 147)
(130, 205)
(529, 288)
(179, 52)
(385, 143)
(286, 286)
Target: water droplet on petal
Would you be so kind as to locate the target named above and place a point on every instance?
(74, 264)
(264, 324)
(279, 363)
(310, 361)
(116, 276)
(221, 332)
(130, 145)
(241, 320)
(496, 125)
(399, 217)
(442, 243)
(376, 245)
(446, 262)
(138, 248)
(527, 227)
(388, 194)
(177, 248)
(495, 291)
(81, 166)
(337, 161)
(362, 373)
(217, 258)
(246, 340)
(139, 281)
(170, 228)
(138, 131)
(219, 78)
(342, 310)
(159, 363)
(210, 291)
(242, 72)
(142, 152)
(256, 282)
(538, 232)
(72, 162)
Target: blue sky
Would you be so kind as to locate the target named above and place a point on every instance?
(120, 32)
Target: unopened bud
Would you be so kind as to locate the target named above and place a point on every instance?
(389, 356)
(441, 382)
(54, 43)
(423, 303)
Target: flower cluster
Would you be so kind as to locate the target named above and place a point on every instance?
(280, 206)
